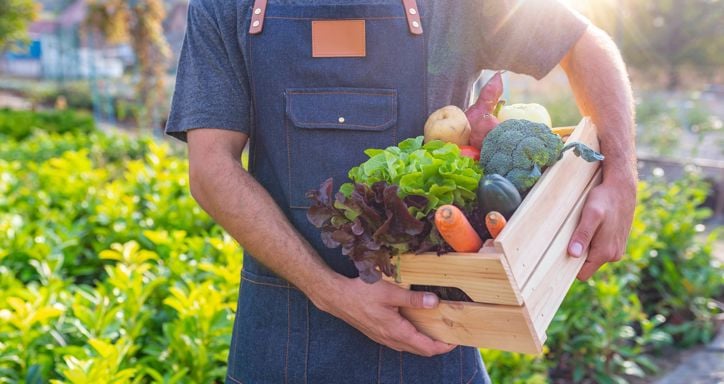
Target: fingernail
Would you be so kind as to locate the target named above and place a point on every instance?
(576, 249)
(429, 300)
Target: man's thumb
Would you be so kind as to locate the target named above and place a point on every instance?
(415, 299)
(591, 219)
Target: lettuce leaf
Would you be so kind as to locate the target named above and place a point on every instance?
(371, 224)
(434, 170)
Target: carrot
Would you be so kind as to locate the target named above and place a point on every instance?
(456, 229)
(495, 222)
(563, 131)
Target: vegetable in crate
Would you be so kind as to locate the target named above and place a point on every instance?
(532, 112)
(435, 170)
(482, 113)
(496, 193)
(495, 222)
(520, 150)
(455, 228)
(448, 124)
(371, 224)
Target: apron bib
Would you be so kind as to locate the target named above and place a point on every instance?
(313, 118)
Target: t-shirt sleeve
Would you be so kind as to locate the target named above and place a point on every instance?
(528, 36)
(212, 88)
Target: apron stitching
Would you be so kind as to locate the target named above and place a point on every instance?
(461, 364)
(400, 353)
(344, 18)
(268, 284)
(289, 150)
(475, 374)
(328, 125)
(393, 108)
(424, 69)
(236, 339)
(379, 364)
(306, 350)
(340, 93)
(250, 74)
(289, 336)
(233, 379)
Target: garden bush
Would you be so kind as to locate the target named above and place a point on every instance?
(110, 272)
(662, 293)
(18, 125)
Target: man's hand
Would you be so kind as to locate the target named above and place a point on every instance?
(600, 84)
(374, 310)
(604, 227)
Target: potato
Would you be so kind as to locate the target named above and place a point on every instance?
(448, 124)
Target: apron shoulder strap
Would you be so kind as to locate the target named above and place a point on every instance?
(411, 12)
(257, 17)
(413, 16)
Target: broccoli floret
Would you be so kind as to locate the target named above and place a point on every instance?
(520, 150)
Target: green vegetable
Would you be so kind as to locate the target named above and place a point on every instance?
(435, 170)
(583, 151)
(496, 193)
(371, 225)
(520, 150)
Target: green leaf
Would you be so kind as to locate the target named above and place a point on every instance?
(412, 144)
(583, 151)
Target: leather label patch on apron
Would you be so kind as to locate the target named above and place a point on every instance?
(338, 38)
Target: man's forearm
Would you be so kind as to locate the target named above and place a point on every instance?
(600, 84)
(245, 209)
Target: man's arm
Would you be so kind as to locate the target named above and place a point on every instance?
(245, 209)
(602, 90)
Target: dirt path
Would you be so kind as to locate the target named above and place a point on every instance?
(9, 100)
(705, 366)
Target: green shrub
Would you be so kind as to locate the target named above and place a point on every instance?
(109, 271)
(661, 293)
(18, 125)
(679, 278)
(107, 265)
(77, 94)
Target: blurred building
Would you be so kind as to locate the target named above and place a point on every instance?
(174, 27)
(60, 49)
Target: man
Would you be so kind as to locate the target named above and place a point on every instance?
(277, 75)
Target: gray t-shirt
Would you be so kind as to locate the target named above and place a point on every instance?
(464, 37)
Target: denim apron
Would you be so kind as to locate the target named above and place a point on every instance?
(313, 118)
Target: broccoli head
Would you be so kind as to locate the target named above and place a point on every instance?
(520, 150)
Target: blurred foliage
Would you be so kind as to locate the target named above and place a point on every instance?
(667, 125)
(77, 95)
(141, 24)
(15, 16)
(663, 36)
(110, 272)
(671, 34)
(663, 293)
(15, 124)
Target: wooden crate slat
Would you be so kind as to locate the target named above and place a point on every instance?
(503, 327)
(483, 276)
(545, 290)
(543, 211)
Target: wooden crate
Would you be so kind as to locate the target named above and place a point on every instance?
(517, 284)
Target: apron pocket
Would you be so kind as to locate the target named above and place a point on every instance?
(328, 130)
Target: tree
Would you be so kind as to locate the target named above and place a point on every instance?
(671, 34)
(139, 22)
(14, 18)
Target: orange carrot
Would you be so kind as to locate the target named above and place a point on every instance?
(456, 229)
(495, 223)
